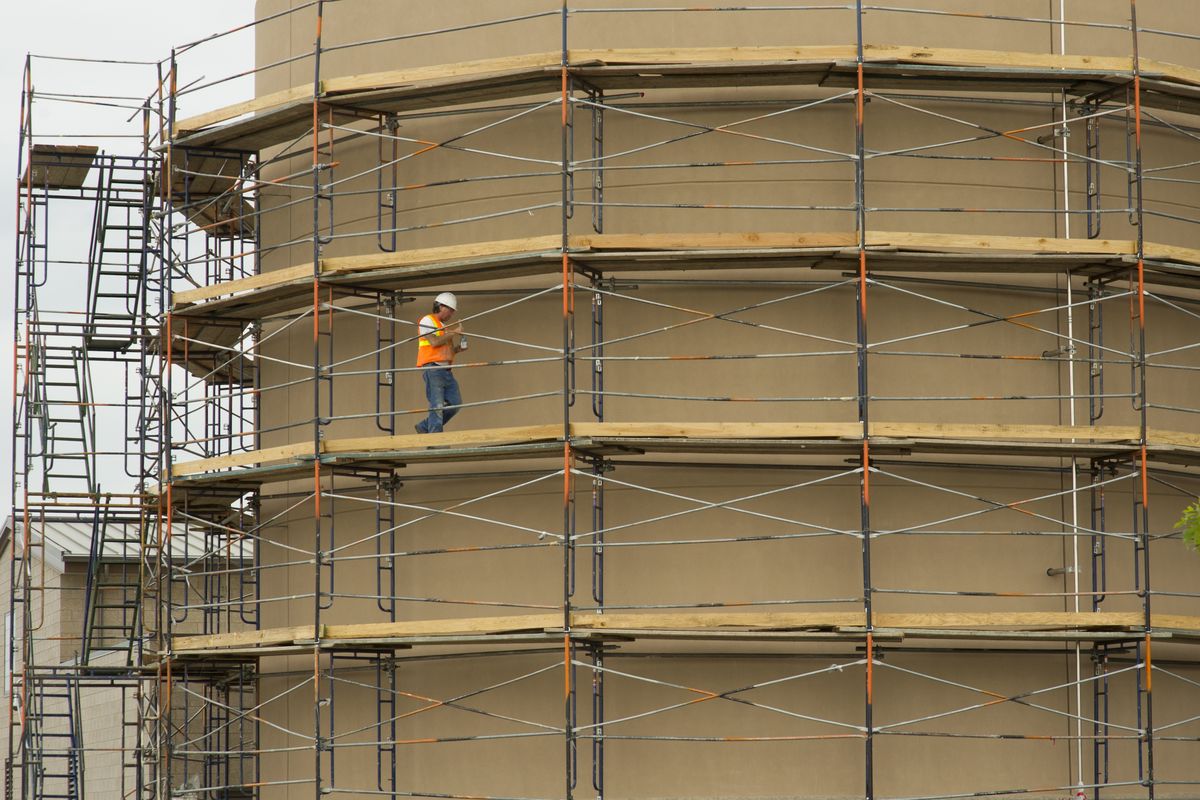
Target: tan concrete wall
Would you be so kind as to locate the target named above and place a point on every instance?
(910, 183)
(976, 560)
(988, 752)
(977, 552)
(932, 342)
(892, 182)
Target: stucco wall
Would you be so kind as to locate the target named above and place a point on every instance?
(956, 528)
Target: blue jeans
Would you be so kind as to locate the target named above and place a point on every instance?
(441, 389)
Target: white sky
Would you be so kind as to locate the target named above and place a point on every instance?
(127, 30)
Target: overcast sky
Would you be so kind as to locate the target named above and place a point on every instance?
(126, 30)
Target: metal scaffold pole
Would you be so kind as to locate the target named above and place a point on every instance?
(1146, 673)
(864, 417)
(567, 205)
(321, 743)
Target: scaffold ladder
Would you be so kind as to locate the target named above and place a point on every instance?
(113, 591)
(53, 763)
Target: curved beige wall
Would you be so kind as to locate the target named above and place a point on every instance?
(967, 555)
(435, 215)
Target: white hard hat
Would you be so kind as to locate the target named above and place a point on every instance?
(447, 299)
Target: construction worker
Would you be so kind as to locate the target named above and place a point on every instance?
(436, 346)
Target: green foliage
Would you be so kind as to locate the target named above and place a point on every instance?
(1189, 523)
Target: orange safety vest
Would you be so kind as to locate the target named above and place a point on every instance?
(427, 352)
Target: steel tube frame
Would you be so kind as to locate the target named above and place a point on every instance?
(222, 598)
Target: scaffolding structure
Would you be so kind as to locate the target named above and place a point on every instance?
(236, 617)
(81, 362)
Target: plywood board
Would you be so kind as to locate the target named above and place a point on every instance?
(982, 622)
(59, 166)
(225, 113)
(263, 456)
(266, 637)
(507, 624)
(349, 84)
(720, 430)
(980, 436)
(483, 437)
